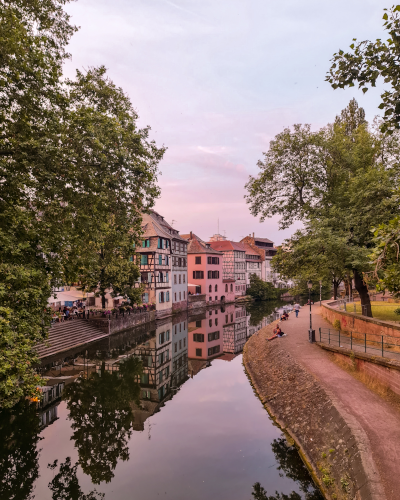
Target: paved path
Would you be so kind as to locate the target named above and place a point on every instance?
(379, 420)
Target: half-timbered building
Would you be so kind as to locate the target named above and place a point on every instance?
(163, 265)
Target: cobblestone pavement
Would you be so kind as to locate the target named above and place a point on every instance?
(379, 420)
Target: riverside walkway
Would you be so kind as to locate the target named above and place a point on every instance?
(377, 420)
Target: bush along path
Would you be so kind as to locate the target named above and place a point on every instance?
(348, 436)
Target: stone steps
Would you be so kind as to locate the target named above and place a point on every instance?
(67, 335)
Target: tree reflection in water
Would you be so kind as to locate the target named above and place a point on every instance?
(261, 309)
(102, 418)
(65, 484)
(19, 431)
(293, 467)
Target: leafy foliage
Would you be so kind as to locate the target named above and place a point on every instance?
(345, 189)
(262, 290)
(386, 256)
(369, 61)
(75, 175)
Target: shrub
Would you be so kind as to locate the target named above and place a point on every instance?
(397, 311)
(336, 324)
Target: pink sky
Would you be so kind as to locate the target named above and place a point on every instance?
(216, 81)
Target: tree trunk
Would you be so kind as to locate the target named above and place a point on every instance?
(362, 289)
(103, 300)
(335, 289)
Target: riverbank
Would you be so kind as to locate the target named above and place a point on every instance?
(348, 436)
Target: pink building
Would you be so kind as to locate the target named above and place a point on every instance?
(205, 272)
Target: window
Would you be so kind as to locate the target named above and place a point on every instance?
(210, 288)
(160, 260)
(159, 243)
(216, 288)
(226, 318)
(180, 344)
(166, 260)
(210, 322)
(198, 352)
(166, 278)
(176, 347)
(180, 296)
(145, 298)
(213, 336)
(161, 277)
(216, 298)
(210, 313)
(226, 288)
(174, 279)
(213, 260)
(146, 244)
(231, 287)
(198, 323)
(213, 350)
(161, 337)
(198, 337)
(198, 289)
(213, 274)
(210, 299)
(167, 334)
(179, 279)
(161, 297)
(184, 295)
(144, 259)
(198, 275)
(174, 297)
(216, 321)
(197, 260)
(167, 295)
(184, 278)
(184, 342)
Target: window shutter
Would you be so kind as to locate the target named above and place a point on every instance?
(167, 278)
(159, 297)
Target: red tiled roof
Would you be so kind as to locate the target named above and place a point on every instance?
(197, 245)
(264, 240)
(249, 250)
(227, 246)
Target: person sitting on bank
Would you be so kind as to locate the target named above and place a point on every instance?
(277, 333)
(284, 316)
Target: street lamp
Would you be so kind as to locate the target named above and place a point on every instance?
(320, 293)
(311, 333)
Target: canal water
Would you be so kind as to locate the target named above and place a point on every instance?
(185, 426)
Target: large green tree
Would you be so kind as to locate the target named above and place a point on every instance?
(350, 188)
(71, 159)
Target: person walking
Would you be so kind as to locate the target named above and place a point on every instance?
(296, 308)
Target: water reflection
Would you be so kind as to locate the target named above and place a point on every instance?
(65, 484)
(102, 417)
(155, 384)
(19, 430)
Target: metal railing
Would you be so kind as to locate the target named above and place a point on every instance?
(385, 346)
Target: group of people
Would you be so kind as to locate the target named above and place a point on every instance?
(66, 313)
(284, 317)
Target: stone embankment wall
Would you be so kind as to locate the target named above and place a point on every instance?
(325, 433)
(120, 323)
(385, 371)
(353, 322)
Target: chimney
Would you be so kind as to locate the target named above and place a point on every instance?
(191, 235)
(253, 235)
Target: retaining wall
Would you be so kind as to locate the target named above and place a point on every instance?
(353, 322)
(385, 371)
(120, 323)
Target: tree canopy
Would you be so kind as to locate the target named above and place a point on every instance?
(347, 187)
(72, 163)
(367, 62)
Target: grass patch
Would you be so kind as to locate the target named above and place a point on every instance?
(380, 310)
